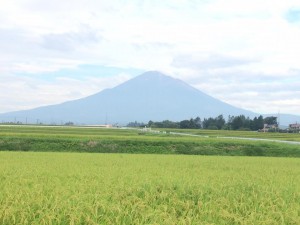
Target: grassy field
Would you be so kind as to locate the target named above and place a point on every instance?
(97, 140)
(84, 188)
(247, 134)
(113, 133)
(42, 182)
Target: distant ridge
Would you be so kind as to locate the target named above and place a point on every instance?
(150, 96)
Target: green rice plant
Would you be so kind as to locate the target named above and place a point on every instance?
(97, 140)
(72, 188)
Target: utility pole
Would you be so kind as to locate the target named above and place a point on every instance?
(278, 119)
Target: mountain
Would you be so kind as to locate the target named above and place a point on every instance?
(150, 96)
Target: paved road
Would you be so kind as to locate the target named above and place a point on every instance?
(239, 138)
(261, 139)
(186, 134)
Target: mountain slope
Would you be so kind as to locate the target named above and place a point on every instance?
(150, 96)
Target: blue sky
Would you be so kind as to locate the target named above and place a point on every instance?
(293, 15)
(245, 53)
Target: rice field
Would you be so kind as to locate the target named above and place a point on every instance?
(88, 188)
(103, 140)
(246, 134)
(89, 132)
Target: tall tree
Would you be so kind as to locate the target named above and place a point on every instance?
(238, 122)
(220, 122)
(271, 120)
(184, 124)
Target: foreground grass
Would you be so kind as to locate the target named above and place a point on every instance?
(67, 139)
(71, 188)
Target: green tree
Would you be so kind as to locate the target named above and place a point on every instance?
(238, 122)
(220, 122)
(271, 120)
(184, 124)
(257, 123)
(198, 122)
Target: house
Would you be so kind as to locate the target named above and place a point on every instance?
(294, 126)
(268, 127)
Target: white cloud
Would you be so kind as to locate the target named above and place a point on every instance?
(209, 61)
(20, 92)
(248, 46)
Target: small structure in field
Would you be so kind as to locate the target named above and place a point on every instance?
(268, 127)
(294, 127)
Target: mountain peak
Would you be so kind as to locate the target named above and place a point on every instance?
(149, 79)
(152, 75)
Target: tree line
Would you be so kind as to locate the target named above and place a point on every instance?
(240, 122)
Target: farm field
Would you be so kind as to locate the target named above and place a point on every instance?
(103, 140)
(85, 188)
(73, 131)
(45, 180)
(246, 134)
